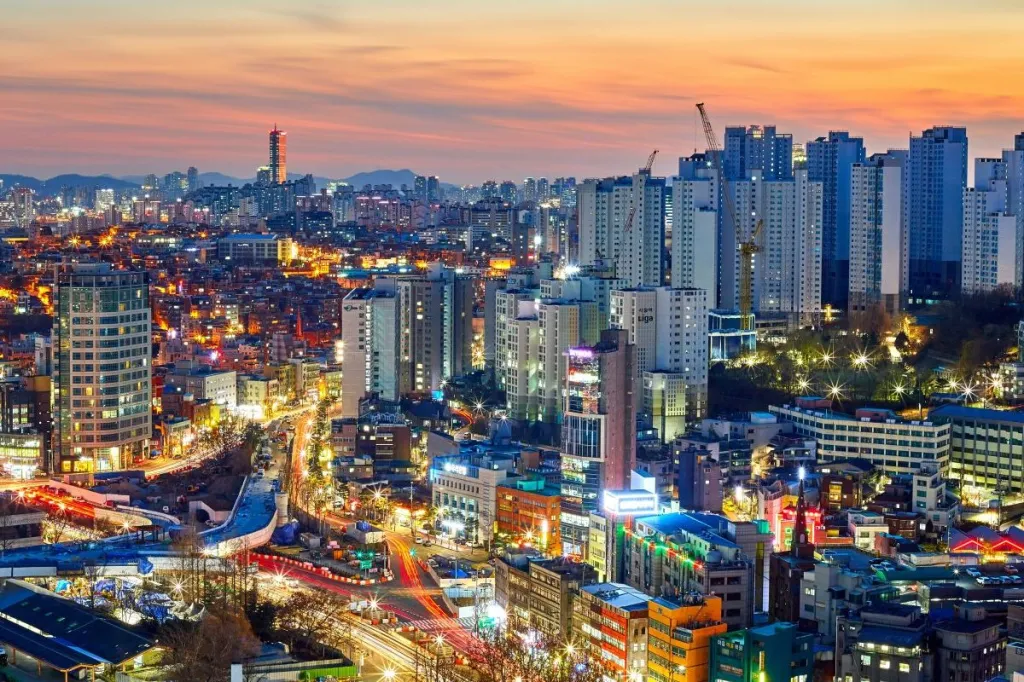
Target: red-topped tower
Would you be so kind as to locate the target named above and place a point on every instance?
(278, 156)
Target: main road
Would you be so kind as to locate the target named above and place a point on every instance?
(408, 597)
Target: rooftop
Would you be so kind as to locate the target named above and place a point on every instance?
(985, 414)
(709, 526)
(61, 632)
(619, 596)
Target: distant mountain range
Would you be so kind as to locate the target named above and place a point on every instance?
(395, 178)
(53, 185)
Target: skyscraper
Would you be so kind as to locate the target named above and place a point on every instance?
(757, 148)
(695, 227)
(370, 333)
(669, 329)
(436, 333)
(278, 156)
(878, 243)
(102, 369)
(787, 272)
(598, 430)
(603, 208)
(192, 179)
(829, 160)
(990, 240)
(936, 177)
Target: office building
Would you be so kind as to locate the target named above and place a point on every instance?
(830, 161)
(205, 383)
(695, 255)
(192, 179)
(679, 637)
(699, 477)
(757, 148)
(878, 257)
(676, 554)
(370, 345)
(265, 249)
(665, 401)
(990, 241)
(936, 177)
(102, 369)
(669, 329)
(635, 251)
(986, 448)
(598, 430)
(529, 511)
(768, 653)
(465, 492)
(278, 156)
(895, 445)
(554, 587)
(612, 621)
(892, 642)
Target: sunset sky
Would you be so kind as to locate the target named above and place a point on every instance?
(477, 89)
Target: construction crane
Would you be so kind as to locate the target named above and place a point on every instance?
(748, 246)
(632, 210)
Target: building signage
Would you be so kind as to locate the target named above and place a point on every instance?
(457, 469)
(630, 502)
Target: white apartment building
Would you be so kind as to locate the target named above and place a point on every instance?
(604, 207)
(560, 327)
(892, 444)
(695, 227)
(669, 328)
(879, 268)
(787, 272)
(990, 245)
(370, 346)
(522, 375)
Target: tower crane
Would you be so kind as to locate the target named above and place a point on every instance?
(748, 245)
(632, 210)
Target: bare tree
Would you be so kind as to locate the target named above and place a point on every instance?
(504, 655)
(204, 652)
(57, 523)
(309, 616)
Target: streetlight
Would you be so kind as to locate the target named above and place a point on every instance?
(389, 674)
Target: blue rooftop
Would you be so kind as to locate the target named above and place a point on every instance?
(985, 414)
(695, 523)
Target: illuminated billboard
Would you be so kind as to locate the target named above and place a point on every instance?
(629, 502)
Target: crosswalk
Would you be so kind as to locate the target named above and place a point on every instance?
(444, 625)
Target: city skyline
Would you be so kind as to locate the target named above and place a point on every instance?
(571, 89)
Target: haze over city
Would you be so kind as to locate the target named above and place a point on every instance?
(466, 89)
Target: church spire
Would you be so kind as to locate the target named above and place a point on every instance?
(801, 546)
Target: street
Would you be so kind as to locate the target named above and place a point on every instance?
(406, 596)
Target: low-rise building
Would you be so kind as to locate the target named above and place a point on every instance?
(529, 511)
(679, 638)
(206, 383)
(554, 583)
(864, 525)
(465, 491)
(771, 652)
(986, 448)
(895, 445)
(676, 554)
(612, 619)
